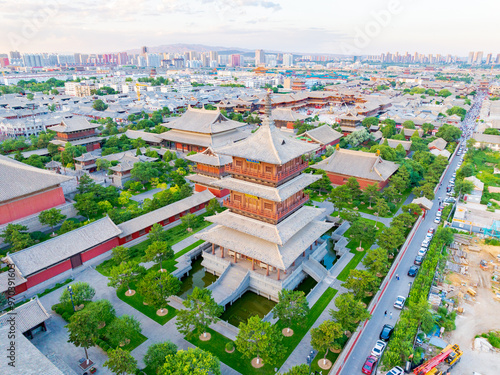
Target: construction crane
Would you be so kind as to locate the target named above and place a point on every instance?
(442, 363)
(138, 90)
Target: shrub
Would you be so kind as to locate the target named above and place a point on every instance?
(230, 346)
(38, 236)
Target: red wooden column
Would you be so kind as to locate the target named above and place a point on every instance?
(278, 274)
(213, 249)
(253, 267)
(267, 272)
(221, 252)
(235, 258)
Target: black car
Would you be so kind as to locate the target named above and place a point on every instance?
(413, 271)
(386, 332)
(418, 260)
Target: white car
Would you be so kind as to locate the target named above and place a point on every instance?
(396, 371)
(422, 252)
(437, 220)
(378, 349)
(425, 243)
(400, 302)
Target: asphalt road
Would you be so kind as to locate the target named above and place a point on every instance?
(395, 288)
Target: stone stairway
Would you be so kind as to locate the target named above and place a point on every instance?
(230, 285)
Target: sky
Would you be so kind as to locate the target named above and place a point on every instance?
(360, 27)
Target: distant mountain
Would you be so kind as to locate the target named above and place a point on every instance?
(181, 48)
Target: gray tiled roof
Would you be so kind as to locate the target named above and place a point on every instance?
(278, 234)
(73, 124)
(358, 164)
(29, 360)
(57, 249)
(148, 137)
(164, 213)
(279, 256)
(438, 143)
(18, 179)
(204, 140)
(275, 194)
(323, 134)
(208, 157)
(203, 121)
(269, 145)
(27, 316)
(393, 143)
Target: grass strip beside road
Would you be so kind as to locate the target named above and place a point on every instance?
(216, 345)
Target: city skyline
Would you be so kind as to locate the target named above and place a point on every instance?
(321, 27)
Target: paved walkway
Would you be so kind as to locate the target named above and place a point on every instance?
(146, 195)
(56, 338)
(183, 244)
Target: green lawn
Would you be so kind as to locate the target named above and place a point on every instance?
(363, 206)
(136, 302)
(358, 255)
(235, 360)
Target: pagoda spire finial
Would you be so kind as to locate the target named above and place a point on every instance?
(267, 121)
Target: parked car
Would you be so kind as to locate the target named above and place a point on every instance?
(425, 243)
(418, 260)
(400, 302)
(413, 271)
(437, 220)
(422, 252)
(369, 365)
(386, 332)
(378, 349)
(396, 371)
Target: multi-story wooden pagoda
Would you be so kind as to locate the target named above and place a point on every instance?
(267, 232)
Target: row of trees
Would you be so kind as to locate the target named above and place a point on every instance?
(417, 313)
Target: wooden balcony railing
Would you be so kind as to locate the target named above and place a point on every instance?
(271, 177)
(229, 203)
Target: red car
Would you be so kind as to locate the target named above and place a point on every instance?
(369, 365)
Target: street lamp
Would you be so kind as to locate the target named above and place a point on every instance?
(70, 290)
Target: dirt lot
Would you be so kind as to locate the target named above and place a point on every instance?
(481, 314)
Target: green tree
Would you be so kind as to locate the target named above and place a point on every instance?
(120, 254)
(201, 311)
(361, 230)
(324, 185)
(188, 220)
(102, 164)
(260, 339)
(191, 361)
(121, 362)
(124, 274)
(30, 96)
(403, 221)
(369, 121)
(68, 226)
(408, 124)
(83, 330)
(391, 193)
(340, 196)
(86, 205)
(21, 241)
(120, 328)
(361, 282)
(449, 133)
(124, 198)
(155, 287)
(143, 172)
(444, 236)
(10, 230)
(426, 190)
(82, 292)
(444, 93)
(99, 105)
(427, 127)
(381, 207)
(377, 261)
(297, 370)
(102, 310)
(464, 186)
(390, 238)
(159, 251)
(156, 233)
(371, 192)
(213, 206)
(350, 312)
(292, 307)
(388, 130)
(354, 188)
(325, 336)
(155, 356)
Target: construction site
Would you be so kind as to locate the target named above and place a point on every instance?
(470, 286)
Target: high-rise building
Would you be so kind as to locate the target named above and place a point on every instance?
(470, 59)
(235, 60)
(260, 57)
(498, 59)
(153, 60)
(144, 50)
(287, 59)
(488, 59)
(122, 58)
(478, 57)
